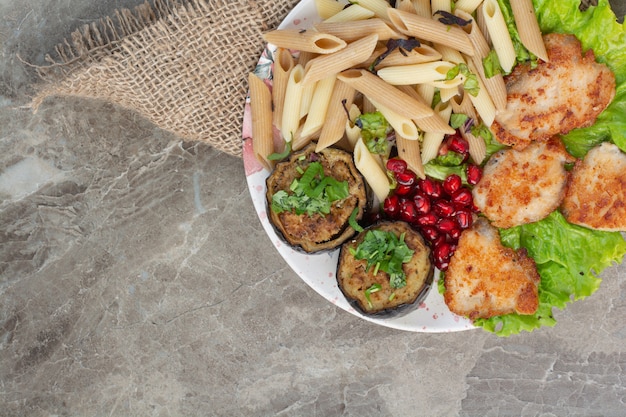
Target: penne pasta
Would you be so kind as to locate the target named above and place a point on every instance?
(371, 170)
(440, 5)
(432, 140)
(328, 8)
(422, 7)
(419, 55)
(353, 54)
(462, 104)
(307, 96)
(405, 6)
(334, 125)
(499, 34)
(426, 92)
(305, 40)
(424, 73)
(319, 105)
(430, 30)
(351, 31)
(409, 151)
(432, 123)
(379, 7)
(293, 98)
(528, 28)
(477, 147)
(283, 64)
(482, 101)
(353, 132)
(495, 84)
(468, 6)
(403, 126)
(449, 54)
(261, 112)
(447, 93)
(375, 88)
(350, 14)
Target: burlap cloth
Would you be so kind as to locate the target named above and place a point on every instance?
(182, 64)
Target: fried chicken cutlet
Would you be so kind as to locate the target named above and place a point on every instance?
(567, 92)
(596, 194)
(520, 187)
(487, 279)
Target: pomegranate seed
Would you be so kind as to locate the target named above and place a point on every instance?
(442, 265)
(452, 183)
(428, 219)
(474, 174)
(455, 234)
(430, 233)
(422, 203)
(439, 240)
(457, 144)
(442, 252)
(406, 178)
(403, 189)
(446, 225)
(396, 165)
(463, 197)
(391, 206)
(444, 208)
(464, 218)
(430, 187)
(408, 213)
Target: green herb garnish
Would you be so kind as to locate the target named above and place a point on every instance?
(352, 221)
(312, 193)
(374, 288)
(471, 81)
(374, 128)
(384, 251)
(282, 155)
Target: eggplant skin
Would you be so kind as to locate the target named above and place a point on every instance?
(353, 278)
(317, 232)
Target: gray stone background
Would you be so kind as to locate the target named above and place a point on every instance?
(136, 279)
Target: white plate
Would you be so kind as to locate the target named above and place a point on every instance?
(318, 270)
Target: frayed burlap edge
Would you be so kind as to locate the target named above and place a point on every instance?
(182, 64)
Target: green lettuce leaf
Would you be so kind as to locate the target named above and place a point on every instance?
(569, 259)
(597, 29)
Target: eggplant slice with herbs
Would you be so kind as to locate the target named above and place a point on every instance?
(311, 197)
(385, 269)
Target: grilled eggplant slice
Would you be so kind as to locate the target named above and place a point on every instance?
(314, 232)
(372, 291)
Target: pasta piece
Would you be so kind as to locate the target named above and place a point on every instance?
(468, 6)
(431, 30)
(405, 6)
(432, 140)
(449, 54)
(307, 96)
(353, 132)
(409, 151)
(293, 98)
(319, 105)
(482, 101)
(368, 107)
(328, 8)
(422, 7)
(353, 54)
(283, 64)
(447, 93)
(375, 88)
(495, 85)
(432, 123)
(418, 55)
(424, 73)
(462, 104)
(427, 92)
(371, 170)
(402, 125)
(351, 14)
(304, 57)
(499, 34)
(335, 123)
(351, 31)
(528, 28)
(477, 147)
(440, 5)
(379, 7)
(261, 112)
(480, 21)
(305, 40)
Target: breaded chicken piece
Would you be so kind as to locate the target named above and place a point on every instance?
(557, 96)
(486, 279)
(596, 194)
(520, 187)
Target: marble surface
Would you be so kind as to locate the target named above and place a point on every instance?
(136, 279)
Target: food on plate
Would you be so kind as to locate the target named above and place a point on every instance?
(596, 194)
(523, 186)
(311, 196)
(384, 267)
(567, 92)
(487, 279)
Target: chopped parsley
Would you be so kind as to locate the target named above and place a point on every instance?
(384, 251)
(312, 193)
